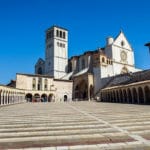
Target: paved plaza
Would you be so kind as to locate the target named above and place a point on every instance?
(75, 126)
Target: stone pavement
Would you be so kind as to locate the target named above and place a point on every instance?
(75, 126)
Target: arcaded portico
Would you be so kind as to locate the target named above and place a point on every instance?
(11, 96)
(135, 93)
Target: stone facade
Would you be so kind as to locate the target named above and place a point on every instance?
(117, 57)
(44, 88)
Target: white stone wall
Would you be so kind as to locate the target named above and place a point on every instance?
(22, 82)
(63, 88)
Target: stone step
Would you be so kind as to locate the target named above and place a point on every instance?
(68, 140)
(34, 132)
(52, 128)
(52, 125)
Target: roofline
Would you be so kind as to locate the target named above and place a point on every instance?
(56, 27)
(63, 80)
(92, 52)
(35, 75)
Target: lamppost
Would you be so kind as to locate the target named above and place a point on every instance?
(148, 45)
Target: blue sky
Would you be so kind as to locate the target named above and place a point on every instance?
(23, 24)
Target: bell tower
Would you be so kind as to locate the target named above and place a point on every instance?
(56, 53)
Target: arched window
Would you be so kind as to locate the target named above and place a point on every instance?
(103, 59)
(40, 70)
(39, 84)
(64, 35)
(45, 84)
(34, 84)
(57, 33)
(61, 34)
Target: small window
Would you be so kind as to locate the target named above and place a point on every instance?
(60, 34)
(57, 43)
(103, 60)
(61, 44)
(64, 35)
(45, 84)
(122, 43)
(57, 33)
(34, 84)
(39, 70)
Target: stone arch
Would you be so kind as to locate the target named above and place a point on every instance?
(135, 96)
(109, 97)
(114, 97)
(28, 97)
(81, 90)
(44, 98)
(51, 98)
(124, 96)
(147, 94)
(117, 96)
(37, 98)
(8, 99)
(141, 95)
(65, 98)
(129, 96)
(121, 96)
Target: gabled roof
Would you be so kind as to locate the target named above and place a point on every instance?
(121, 33)
(124, 79)
(40, 60)
(35, 75)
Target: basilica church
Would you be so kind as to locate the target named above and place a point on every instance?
(89, 71)
(103, 74)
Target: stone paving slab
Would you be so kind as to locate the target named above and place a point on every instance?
(75, 125)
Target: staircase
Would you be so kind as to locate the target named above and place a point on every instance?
(61, 125)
